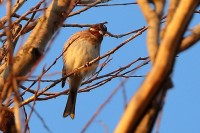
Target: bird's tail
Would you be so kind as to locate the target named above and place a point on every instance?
(71, 103)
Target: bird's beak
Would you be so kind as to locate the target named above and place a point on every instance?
(106, 34)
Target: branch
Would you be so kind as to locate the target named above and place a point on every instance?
(17, 5)
(172, 9)
(121, 4)
(161, 70)
(103, 104)
(86, 8)
(125, 34)
(81, 25)
(191, 39)
(153, 18)
(34, 47)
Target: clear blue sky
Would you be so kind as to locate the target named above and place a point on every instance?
(181, 110)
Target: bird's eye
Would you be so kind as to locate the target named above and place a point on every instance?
(105, 28)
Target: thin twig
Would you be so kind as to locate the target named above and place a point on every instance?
(121, 4)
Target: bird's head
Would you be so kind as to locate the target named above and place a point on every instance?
(98, 30)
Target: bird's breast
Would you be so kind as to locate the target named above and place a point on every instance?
(80, 53)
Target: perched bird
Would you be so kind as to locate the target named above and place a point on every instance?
(81, 48)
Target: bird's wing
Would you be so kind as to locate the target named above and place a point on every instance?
(64, 73)
(72, 39)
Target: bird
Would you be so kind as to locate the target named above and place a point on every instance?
(81, 48)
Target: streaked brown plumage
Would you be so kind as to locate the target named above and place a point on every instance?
(82, 47)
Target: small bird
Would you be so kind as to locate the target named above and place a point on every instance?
(81, 48)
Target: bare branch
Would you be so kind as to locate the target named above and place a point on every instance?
(125, 34)
(103, 104)
(86, 8)
(81, 25)
(102, 5)
(172, 9)
(191, 39)
(161, 69)
(36, 43)
(87, 2)
(17, 5)
(153, 19)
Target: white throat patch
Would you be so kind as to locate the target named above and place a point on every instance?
(100, 32)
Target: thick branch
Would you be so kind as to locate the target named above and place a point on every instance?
(161, 69)
(172, 9)
(191, 39)
(28, 56)
(35, 45)
(153, 19)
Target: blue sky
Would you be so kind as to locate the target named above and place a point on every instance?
(181, 109)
